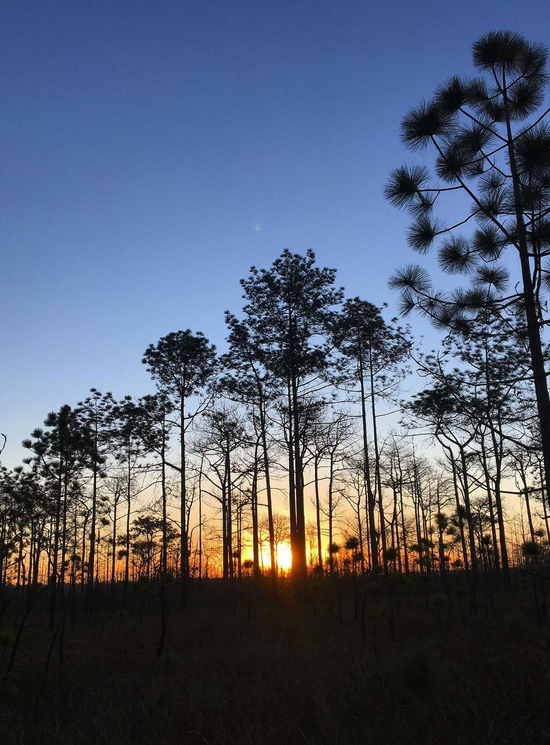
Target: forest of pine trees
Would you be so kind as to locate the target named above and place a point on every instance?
(282, 441)
(326, 480)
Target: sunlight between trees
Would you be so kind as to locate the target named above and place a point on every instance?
(276, 454)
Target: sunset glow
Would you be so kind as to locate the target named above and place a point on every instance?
(283, 557)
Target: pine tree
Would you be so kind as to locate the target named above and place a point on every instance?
(487, 150)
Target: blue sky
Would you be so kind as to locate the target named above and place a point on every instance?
(153, 151)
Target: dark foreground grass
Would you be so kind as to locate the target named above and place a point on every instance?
(287, 673)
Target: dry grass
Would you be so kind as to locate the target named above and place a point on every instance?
(287, 675)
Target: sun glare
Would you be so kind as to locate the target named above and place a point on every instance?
(283, 557)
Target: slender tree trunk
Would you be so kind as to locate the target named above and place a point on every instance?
(255, 526)
(183, 493)
(53, 576)
(498, 456)
(164, 556)
(377, 470)
(330, 516)
(113, 567)
(370, 501)
(164, 560)
(469, 519)
(291, 481)
(200, 519)
(229, 511)
(91, 559)
(533, 326)
(490, 503)
(267, 476)
(404, 532)
(318, 512)
(527, 502)
(225, 550)
(451, 457)
(300, 539)
(129, 501)
(63, 537)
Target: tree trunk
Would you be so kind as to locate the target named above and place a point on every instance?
(370, 503)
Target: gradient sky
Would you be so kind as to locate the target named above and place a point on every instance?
(154, 150)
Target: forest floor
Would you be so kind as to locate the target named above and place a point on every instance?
(410, 666)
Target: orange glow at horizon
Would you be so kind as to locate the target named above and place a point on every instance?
(283, 557)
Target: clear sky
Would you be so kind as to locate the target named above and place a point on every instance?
(153, 150)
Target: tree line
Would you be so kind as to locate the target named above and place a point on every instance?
(191, 481)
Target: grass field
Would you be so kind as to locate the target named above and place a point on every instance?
(408, 668)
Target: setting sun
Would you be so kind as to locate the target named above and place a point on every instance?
(283, 557)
